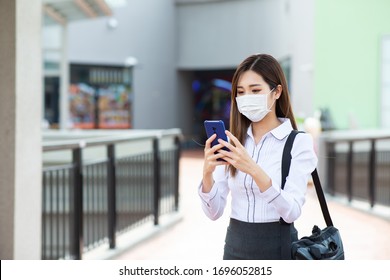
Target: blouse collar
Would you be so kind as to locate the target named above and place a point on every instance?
(279, 132)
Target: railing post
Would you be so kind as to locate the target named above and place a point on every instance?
(177, 171)
(372, 175)
(77, 201)
(156, 180)
(111, 195)
(331, 167)
(349, 170)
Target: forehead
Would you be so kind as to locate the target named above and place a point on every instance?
(250, 78)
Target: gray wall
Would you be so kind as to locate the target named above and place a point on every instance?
(146, 31)
(220, 34)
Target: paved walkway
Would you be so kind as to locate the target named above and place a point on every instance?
(366, 235)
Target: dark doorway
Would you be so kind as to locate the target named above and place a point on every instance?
(211, 91)
(52, 93)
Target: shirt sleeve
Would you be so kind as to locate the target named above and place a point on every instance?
(214, 202)
(289, 201)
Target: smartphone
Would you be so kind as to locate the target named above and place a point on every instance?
(216, 127)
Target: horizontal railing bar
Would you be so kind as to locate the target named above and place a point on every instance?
(351, 135)
(94, 162)
(106, 140)
(47, 147)
(57, 167)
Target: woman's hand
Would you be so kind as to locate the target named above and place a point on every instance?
(238, 156)
(241, 160)
(211, 156)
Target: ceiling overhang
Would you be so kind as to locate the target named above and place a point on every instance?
(64, 11)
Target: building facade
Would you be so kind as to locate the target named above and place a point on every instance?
(179, 41)
(182, 48)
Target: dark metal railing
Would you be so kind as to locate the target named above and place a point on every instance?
(88, 202)
(56, 211)
(357, 165)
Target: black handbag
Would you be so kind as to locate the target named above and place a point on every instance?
(322, 244)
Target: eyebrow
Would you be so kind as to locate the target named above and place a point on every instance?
(253, 85)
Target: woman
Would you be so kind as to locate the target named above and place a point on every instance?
(261, 118)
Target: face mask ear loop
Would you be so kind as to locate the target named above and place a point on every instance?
(269, 109)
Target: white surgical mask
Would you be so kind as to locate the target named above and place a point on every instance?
(254, 106)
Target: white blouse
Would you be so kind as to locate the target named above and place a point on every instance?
(248, 204)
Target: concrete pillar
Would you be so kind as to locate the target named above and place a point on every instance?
(20, 129)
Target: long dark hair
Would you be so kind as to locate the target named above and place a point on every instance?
(270, 70)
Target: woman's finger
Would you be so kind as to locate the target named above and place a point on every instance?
(233, 138)
(217, 147)
(219, 159)
(211, 152)
(226, 144)
(209, 140)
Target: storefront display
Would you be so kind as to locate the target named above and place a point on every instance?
(100, 97)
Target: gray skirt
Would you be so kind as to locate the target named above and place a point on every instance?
(255, 241)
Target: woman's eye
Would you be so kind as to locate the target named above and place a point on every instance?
(256, 90)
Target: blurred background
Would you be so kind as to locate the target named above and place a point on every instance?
(98, 95)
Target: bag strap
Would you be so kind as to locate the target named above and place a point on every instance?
(321, 198)
(286, 162)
